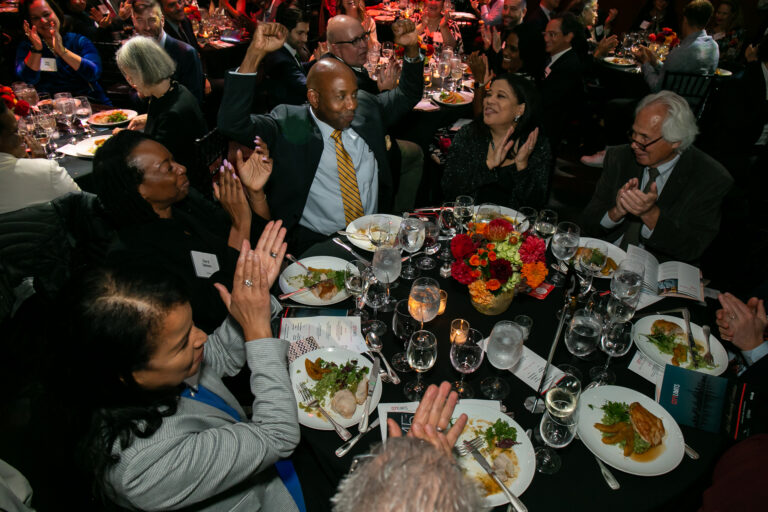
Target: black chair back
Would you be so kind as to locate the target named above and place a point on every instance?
(210, 151)
(695, 88)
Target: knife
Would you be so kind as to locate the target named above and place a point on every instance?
(301, 290)
(344, 449)
(351, 251)
(363, 426)
(290, 257)
(691, 344)
(514, 500)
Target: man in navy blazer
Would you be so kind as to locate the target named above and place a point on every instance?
(539, 16)
(285, 75)
(304, 188)
(148, 21)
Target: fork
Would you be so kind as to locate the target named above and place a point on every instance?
(310, 401)
(475, 445)
(708, 356)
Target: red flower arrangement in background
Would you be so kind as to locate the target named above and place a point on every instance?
(15, 105)
(192, 12)
(667, 36)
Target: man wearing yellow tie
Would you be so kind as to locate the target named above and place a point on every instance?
(330, 163)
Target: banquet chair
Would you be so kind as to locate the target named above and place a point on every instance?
(210, 151)
(695, 88)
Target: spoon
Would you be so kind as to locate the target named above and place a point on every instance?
(375, 344)
(708, 356)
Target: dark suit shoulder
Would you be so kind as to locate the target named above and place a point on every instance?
(295, 122)
(705, 167)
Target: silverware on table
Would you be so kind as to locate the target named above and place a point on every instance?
(291, 258)
(350, 250)
(373, 379)
(690, 452)
(375, 345)
(302, 290)
(472, 448)
(344, 449)
(607, 475)
(689, 336)
(311, 401)
(708, 356)
(353, 234)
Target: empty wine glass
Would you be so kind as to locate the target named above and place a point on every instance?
(381, 231)
(526, 218)
(83, 111)
(591, 260)
(616, 342)
(431, 246)
(463, 211)
(504, 349)
(558, 424)
(374, 297)
(448, 226)
(565, 242)
(583, 333)
(466, 357)
(403, 326)
(424, 299)
(546, 224)
(356, 283)
(411, 238)
(422, 354)
(386, 267)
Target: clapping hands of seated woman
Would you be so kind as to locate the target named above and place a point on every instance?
(742, 324)
(33, 36)
(254, 172)
(605, 46)
(499, 155)
(432, 421)
(478, 64)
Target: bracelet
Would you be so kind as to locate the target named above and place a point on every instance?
(32, 50)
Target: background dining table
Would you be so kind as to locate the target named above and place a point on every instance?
(579, 484)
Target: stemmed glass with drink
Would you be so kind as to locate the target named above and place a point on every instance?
(356, 282)
(422, 354)
(381, 232)
(583, 333)
(463, 211)
(374, 297)
(565, 243)
(504, 349)
(387, 50)
(457, 71)
(403, 326)
(466, 357)
(558, 424)
(444, 71)
(424, 300)
(626, 286)
(448, 226)
(411, 238)
(431, 246)
(590, 263)
(386, 267)
(83, 112)
(546, 224)
(65, 106)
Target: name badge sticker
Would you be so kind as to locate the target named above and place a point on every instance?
(644, 25)
(48, 64)
(206, 264)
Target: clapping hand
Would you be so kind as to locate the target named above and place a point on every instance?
(742, 324)
(102, 20)
(432, 421)
(229, 192)
(605, 46)
(636, 202)
(271, 249)
(524, 151)
(497, 154)
(254, 172)
(388, 76)
(33, 36)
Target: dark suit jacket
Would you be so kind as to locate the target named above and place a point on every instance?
(295, 142)
(562, 94)
(285, 79)
(536, 18)
(689, 203)
(189, 70)
(184, 33)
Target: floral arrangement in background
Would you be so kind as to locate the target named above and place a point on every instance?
(493, 259)
(428, 50)
(15, 105)
(667, 37)
(192, 12)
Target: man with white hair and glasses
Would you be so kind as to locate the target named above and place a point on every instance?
(659, 191)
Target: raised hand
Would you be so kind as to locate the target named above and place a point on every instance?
(388, 76)
(404, 32)
(524, 151)
(33, 36)
(254, 172)
(269, 37)
(612, 15)
(271, 249)
(485, 33)
(102, 20)
(229, 192)
(495, 39)
(497, 154)
(605, 46)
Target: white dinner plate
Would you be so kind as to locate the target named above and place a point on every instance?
(614, 252)
(96, 119)
(510, 215)
(466, 95)
(87, 147)
(590, 412)
(298, 373)
(362, 224)
(307, 297)
(643, 326)
(620, 61)
(463, 16)
(480, 418)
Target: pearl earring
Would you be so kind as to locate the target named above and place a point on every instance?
(517, 118)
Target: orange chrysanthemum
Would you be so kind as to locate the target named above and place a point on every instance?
(490, 246)
(476, 273)
(481, 251)
(492, 256)
(513, 240)
(479, 292)
(534, 273)
(493, 284)
(483, 263)
(474, 260)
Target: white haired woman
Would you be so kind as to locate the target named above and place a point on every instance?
(173, 117)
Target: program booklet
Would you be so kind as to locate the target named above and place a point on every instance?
(668, 279)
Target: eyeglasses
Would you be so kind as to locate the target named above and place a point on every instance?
(360, 39)
(643, 147)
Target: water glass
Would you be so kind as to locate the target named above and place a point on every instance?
(627, 279)
(565, 243)
(386, 267)
(424, 299)
(375, 297)
(356, 283)
(411, 238)
(526, 324)
(504, 350)
(583, 333)
(463, 211)
(431, 246)
(546, 224)
(403, 326)
(387, 50)
(422, 354)
(466, 357)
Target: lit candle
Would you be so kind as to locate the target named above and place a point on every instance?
(443, 302)
(459, 330)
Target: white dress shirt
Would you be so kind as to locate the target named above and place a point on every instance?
(28, 181)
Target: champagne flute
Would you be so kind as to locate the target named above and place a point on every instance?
(424, 299)
(403, 326)
(83, 112)
(431, 246)
(504, 350)
(444, 71)
(356, 283)
(448, 225)
(466, 357)
(463, 210)
(422, 354)
(558, 424)
(616, 342)
(386, 267)
(546, 225)
(565, 242)
(457, 71)
(411, 238)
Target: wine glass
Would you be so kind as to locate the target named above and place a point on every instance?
(590, 262)
(526, 324)
(411, 238)
(83, 112)
(616, 342)
(424, 299)
(387, 50)
(558, 424)
(47, 123)
(463, 210)
(386, 267)
(504, 349)
(431, 246)
(380, 231)
(484, 215)
(44, 103)
(374, 297)
(583, 333)
(466, 357)
(457, 71)
(444, 71)
(528, 215)
(627, 280)
(422, 354)
(546, 224)
(65, 106)
(403, 326)
(356, 283)
(565, 242)
(448, 226)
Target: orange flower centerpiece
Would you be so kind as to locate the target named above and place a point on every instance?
(494, 260)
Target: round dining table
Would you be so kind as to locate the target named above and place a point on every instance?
(578, 485)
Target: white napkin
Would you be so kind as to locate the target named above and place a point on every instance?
(426, 106)
(68, 149)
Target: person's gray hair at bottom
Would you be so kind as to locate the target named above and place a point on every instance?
(680, 123)
(407, 475)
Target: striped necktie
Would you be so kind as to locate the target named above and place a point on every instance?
(632, 233)
(350, 194)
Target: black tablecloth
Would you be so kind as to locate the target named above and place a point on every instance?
(578, 485)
